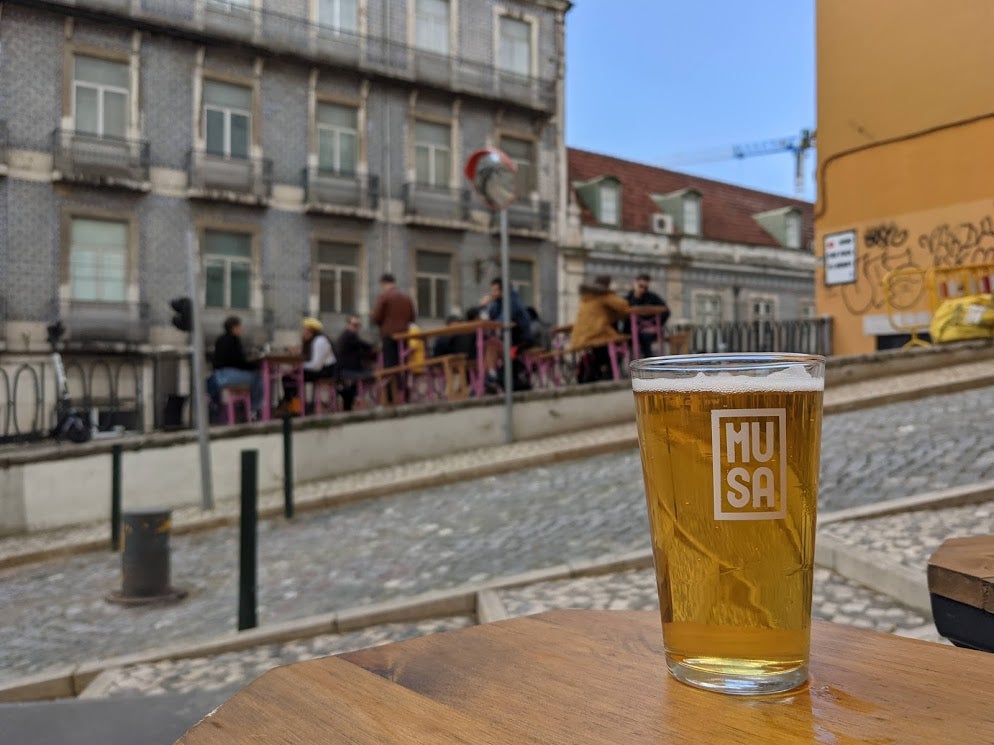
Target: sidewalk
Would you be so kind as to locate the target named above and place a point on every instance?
(470, 464)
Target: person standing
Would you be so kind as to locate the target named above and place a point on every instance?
(393, 313)
(232, 367)
(640, 294)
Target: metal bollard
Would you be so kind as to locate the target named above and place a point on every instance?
(145, 573)
(287, 467)
(247, 551)
(115, 497)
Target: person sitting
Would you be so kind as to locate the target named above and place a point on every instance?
(640, 294)
(232, 367)
(317, 350)
(492, 306)
(443, 344)
(353, 353)
(595, 327)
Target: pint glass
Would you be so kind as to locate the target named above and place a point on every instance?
(730, 448)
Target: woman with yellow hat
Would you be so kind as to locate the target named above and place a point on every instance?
(316, 348)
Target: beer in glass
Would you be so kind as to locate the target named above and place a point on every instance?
(730, 449)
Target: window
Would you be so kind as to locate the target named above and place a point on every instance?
(228, 269)
(101, 91)
(338, 277)
(515, 46)
(339, 15)
(692, 214)
(227, 119)
(231, 5)
(793, 229)
(522, 152)
(431, 25)
(707, 309)
(337, 138)
(808, 309)
(98, 260)
(762, 308)
(523, 280)
(609, 198)
(433, 276)
(432, 153)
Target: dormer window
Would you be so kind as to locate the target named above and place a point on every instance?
(610, 204)
(792, 225)
(692, 213)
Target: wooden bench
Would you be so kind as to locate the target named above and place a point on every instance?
(961, 585)
(444, 376)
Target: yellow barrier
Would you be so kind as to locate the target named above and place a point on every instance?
(941, 284)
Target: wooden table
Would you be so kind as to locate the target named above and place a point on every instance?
(961, 585)
(598, 677)
(480, 328)
(270, 366)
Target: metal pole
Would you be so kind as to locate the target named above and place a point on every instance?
(505, 272)
(115, 497)
(247, 540)
(287, 467)
(197, 384)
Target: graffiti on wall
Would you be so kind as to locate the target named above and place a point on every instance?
(955, 245)
(885, 248)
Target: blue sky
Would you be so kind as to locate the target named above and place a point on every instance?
(653, 80)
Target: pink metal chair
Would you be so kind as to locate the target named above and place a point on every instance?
(233, 395)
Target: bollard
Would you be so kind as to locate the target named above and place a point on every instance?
(145, 559)
(247, 539)
(287, 467)
(115, 497)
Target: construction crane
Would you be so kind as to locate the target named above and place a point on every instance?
(799, 145)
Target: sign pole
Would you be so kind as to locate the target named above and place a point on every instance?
(197, 371)
(505, 271)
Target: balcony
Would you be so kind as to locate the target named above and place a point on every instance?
(341, 194)
(229, 18)
(528, 218)
(436, 206)
(100, 160)
(109, 323)
(228, 179)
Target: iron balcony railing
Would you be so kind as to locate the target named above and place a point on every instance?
(436, 203)
(326, 188)
(806, 335)
(223, 176)
(267, 30)
(535, 217)
(111, 323)
(95, 158)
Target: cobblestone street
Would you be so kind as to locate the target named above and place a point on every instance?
(55, 613)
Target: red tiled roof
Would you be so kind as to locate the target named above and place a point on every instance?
(726, 209)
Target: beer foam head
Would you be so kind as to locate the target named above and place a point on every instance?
(789, 380)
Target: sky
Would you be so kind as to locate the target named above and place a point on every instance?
(668, 82)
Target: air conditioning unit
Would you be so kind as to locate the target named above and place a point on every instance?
(662, 223)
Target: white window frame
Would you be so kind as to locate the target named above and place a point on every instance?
(614, 190)
(501, 65)
(232, 6)
(694, 226)
(418, 16)
(793, 230)
(769, 301)
(101, 89)
(335, 25)
(99, 280)
(532, 166)
(434, 180)
(434, 277)
(227, 112)
(337, 269)
(337, 131)
(228, 262)
(707, 319)
(531, 284)
(809, 308)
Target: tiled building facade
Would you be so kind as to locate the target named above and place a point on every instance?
(309, 144)
(717, 253)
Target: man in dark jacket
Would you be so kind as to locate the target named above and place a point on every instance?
(393, 314)
(232, 367)
(353, 352)
(640, 294)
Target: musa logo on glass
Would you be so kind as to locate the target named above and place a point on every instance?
(749, 450)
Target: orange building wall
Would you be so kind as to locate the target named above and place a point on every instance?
(888, 72)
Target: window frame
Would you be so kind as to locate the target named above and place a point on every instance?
(692, 200)
(433, 149)
(532, 279)
(793, 229)
(319, 266)
(415, 18)
(254, 232)
(770, 300)
(336, 27)
(698, 318)
(226, 111)
(100, 89)
(232, 6)
(614, 187)
(337, 131)
(452, 280)
(530, 23)
(131, 287)
(527, 189)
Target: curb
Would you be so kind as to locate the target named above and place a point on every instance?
(955, 496)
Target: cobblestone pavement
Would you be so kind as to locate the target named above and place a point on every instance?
(239, 668)
(909, 538)
(54, 613)
(835, 599)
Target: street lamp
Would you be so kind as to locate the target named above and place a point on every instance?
(494, 177)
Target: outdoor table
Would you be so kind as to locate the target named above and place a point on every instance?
(599, 677)
(650, 315)
(270, 366)
(480, 328)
